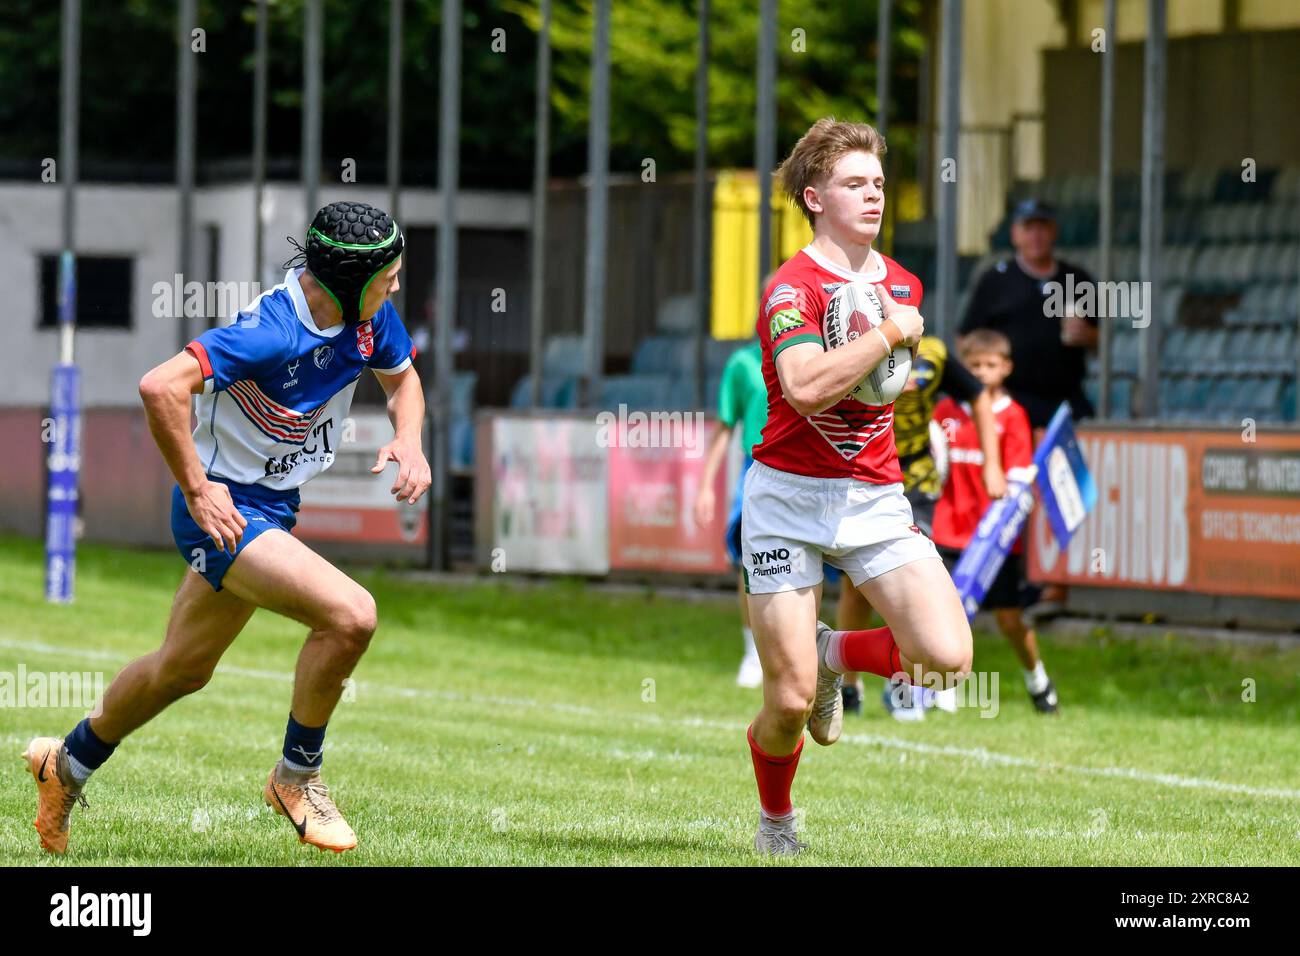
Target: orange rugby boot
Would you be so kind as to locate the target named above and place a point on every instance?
(56, 791)
(306, 802)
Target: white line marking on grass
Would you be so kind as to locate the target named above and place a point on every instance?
(983, 756)
(977, 754)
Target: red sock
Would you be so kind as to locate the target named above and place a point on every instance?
(872, 651)
(774, 776)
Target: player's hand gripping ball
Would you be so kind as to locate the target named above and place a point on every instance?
(854, 310)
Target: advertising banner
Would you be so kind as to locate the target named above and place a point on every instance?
(652, 492)
(1202, 511)
(348, 503)
(543, 482)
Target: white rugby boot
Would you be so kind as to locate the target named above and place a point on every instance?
(827, 718)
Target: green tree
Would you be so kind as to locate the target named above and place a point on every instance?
(129, 75)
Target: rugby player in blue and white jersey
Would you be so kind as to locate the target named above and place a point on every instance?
(274, 388)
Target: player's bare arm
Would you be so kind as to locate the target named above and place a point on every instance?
(813, 378)
(166, 392)
(705, 502)
(406, 412)
(995, 479)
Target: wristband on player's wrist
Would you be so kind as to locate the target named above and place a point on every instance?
(884, 329)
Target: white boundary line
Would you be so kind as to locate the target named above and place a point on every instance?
(976, 754)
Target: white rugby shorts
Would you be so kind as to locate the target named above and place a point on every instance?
(791, 523)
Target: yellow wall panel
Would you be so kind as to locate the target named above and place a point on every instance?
(734, 309)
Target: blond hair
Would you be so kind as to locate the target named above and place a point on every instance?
(817, 152)
(979, 341)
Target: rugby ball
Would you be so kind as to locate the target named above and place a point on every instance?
(854, 310)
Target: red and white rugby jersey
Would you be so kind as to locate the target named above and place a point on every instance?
(849, 439)
(964, 500)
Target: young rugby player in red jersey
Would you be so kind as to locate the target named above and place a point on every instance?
(826, 483)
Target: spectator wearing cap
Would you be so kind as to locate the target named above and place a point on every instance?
(1019, 297)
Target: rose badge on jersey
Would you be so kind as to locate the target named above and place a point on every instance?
(365, 339)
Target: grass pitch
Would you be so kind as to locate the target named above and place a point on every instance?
(559, 724)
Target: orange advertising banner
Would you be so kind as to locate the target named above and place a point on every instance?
(1209, 512)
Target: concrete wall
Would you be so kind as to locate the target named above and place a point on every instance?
(141, 222)
(125, 485)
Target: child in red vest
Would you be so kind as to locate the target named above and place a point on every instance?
(988, 356)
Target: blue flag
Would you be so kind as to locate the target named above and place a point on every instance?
(1067, 491)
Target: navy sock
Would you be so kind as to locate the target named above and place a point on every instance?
(303, 746)
(86, 752)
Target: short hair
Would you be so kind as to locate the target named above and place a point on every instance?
(817, 152)
(983, 340)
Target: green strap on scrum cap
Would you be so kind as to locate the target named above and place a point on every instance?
(393, 235)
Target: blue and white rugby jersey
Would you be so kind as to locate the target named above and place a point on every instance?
(277, 389)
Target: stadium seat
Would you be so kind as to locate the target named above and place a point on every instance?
(1267, 264)
(1166, 401)
(1173, 348)
(637, 392)
(1241, 352)
(1277, 305)
(1259, 306)
(1289, 221)
(1286, 186)
(1278, 350)
(1224, 398)
(1238, 266)
(564, 355)
(1264, 398)
(676, 315)
(1253, 221)
(1181, 396)
(1275, 221)
(717, 351)
(1214, 352)
(1121, 397)
(1128, 224)
(1171, 302)
(1243, 313)
(1185, 352)
(664, 355)
(1183, 263)
(681, 393)
(558, 391)
(1124, 353)
(1196, 186)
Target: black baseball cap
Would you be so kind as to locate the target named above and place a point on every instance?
(1028, 209)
